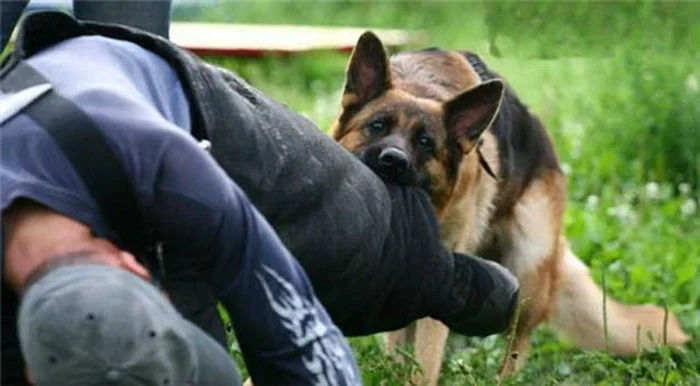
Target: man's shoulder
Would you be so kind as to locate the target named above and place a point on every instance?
(115, 79)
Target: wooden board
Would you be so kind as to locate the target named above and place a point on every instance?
(253, 40)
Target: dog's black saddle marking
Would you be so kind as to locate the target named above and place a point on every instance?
(478, 65)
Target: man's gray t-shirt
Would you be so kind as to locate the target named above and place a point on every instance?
(150, 98)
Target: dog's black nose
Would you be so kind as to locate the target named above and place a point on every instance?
(394, 159)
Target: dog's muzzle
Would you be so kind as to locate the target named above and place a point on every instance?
(393, 161)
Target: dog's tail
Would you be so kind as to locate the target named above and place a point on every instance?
(580, 316)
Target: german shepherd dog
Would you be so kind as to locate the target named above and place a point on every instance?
(444, 121)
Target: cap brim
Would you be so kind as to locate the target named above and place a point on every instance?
(214, 365)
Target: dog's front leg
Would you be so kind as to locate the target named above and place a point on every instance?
(427, 337)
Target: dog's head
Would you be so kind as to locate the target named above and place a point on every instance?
(400, 133)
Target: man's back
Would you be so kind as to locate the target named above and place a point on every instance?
(86, 68)
(132, 96)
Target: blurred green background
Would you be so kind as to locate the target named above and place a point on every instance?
(617, 84)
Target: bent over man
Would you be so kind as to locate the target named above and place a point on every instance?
(53, 223)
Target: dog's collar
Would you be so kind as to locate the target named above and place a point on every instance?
(485, 165)
(479, 68)
(482, 160)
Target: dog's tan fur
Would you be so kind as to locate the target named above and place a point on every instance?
(516, 221)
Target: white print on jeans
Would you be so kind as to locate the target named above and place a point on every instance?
(328, 361)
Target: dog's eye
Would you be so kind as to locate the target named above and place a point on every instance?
(425, 142)
(377, 127)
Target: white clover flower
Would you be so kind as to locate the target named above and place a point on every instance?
(684, 188)
(653, 191)
(689, 207)
(612, 211)
(620, 211)
(574, 128)
(629, 194)
(592, 202)
(691, 83)
(566, 168)
(623, 212)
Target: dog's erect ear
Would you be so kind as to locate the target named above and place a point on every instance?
(469, 114)
(367, 73)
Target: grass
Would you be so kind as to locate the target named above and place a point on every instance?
(617, 86)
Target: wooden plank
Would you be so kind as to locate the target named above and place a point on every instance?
(254, 40)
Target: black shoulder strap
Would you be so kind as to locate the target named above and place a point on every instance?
(87, 150)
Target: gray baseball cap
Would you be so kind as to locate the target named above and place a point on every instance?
(91, 324)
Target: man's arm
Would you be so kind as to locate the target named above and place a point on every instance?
(372, 250)
(285, 334)
(470, 295)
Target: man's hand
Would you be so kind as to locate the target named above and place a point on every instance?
(36, 237)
